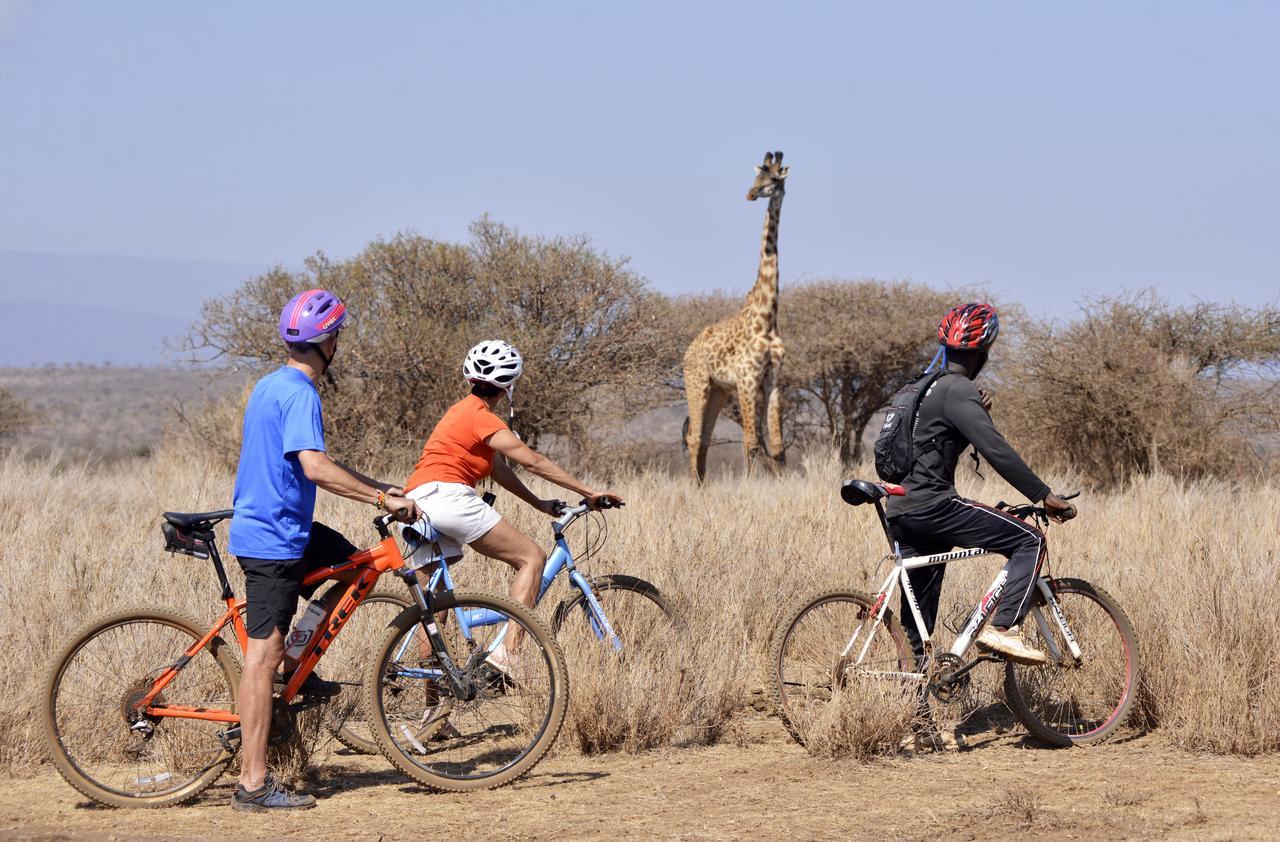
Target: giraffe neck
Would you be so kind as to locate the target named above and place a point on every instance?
(763, 298)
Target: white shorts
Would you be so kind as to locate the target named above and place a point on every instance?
(457, 513)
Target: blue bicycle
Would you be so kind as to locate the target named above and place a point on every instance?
(616, 610)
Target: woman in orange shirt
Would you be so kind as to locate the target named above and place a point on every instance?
(461, 451)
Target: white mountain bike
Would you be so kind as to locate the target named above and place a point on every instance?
(842, 636)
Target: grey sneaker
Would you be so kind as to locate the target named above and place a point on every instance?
(270, 796)
(1010, 644)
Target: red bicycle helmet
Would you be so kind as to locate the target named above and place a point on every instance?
(969, 327)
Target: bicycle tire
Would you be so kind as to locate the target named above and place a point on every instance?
(72, 772)
(551, 721)
(788, 705)
(619, 583)
(349, 727)
(1019, 679)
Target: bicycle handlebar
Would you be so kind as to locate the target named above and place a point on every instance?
(382, 523)
(568, 514)
(1026, 510)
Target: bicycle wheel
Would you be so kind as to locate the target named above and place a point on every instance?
(636, 610)
(498, 728)
(1066, 703)
(816, 654)
(93, 689)
(347, 660)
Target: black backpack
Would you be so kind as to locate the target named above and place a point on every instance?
(895, 446)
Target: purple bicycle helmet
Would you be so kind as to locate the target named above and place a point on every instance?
(312, 316)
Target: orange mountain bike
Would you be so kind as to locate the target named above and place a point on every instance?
(140, 708)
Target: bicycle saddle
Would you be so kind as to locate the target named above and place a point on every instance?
(190, 520)
(855, 492)
(421, 539)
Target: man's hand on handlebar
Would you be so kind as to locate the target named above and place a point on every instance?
(1058, 509)
(604, 500)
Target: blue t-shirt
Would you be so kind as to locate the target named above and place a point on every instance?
(274, 500)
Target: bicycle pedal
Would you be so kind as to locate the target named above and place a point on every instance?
(227, 736)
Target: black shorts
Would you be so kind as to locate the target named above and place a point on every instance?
(272, 586)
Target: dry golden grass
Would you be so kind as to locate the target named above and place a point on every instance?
(864, 720)
(1194, 567)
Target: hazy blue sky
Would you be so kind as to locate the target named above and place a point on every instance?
(1046, 149)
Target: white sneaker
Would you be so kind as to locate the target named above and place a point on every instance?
(503, 661)
(1011, 645)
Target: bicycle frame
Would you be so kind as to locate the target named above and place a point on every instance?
(977, 618)
(560, 560)
(371, 563)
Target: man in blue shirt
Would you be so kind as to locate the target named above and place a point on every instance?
(282, 460)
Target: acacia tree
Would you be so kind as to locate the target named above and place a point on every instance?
(851, 345)
(1135, 385)
(586, 324)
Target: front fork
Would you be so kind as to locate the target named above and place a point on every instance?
(1055, 610)
(457, 679)
(599, 622)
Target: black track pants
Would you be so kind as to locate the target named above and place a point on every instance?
(957, 522)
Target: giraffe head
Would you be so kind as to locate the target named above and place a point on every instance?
(770, 177)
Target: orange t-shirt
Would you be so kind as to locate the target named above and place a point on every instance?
(456, 451)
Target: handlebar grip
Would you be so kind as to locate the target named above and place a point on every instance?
(382, 523)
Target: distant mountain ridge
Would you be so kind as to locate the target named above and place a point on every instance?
(59, 308)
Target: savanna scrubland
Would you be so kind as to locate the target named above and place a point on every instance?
(1164, 415)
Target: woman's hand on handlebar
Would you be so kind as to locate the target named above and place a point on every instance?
(1058, 509)
(551, 507)
(604, 500)
(405, 510)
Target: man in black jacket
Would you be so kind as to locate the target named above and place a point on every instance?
(933, 518)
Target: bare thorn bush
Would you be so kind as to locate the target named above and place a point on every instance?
(1136, 386)
(14, 415)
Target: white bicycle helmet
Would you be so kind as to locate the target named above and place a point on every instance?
(494, 362)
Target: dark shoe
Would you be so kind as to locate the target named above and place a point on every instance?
(270, 796)
(313, 686)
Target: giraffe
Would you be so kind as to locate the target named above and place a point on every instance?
(742, 355)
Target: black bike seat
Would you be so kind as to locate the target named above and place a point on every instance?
(190, 520)
(855, 492)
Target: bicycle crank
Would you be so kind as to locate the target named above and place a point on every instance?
(284, 721)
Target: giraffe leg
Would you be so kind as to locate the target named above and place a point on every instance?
(751, 405)
(715, 399)
(697, 392)
(773, 390)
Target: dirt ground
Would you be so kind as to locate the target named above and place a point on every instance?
(765, 788)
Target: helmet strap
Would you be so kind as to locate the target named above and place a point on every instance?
(511, 403)
(327, 359)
